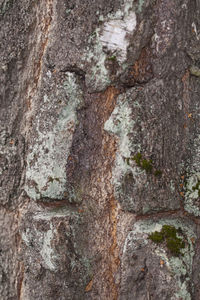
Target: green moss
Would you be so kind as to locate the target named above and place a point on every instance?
(175, 245)
(168, 234)
(112, 58)
(169, 231)
(137, 158)
(143, 163)
(147, 165)
(156, 237)
(158, 173)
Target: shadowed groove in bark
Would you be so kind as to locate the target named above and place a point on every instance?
(95, 150)
(44, 23)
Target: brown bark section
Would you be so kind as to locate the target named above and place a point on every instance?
(99, 195)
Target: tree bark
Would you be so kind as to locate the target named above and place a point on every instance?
(99, 149)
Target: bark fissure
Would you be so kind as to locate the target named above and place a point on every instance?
(98, 152)
(38, 50)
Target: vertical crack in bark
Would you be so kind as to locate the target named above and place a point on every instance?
(186, 97)
(114, 251)
(46, 23)
(93, 150)
(20, 281)
(111, 253)
(35, 60)
(31, 81)
(109, 150)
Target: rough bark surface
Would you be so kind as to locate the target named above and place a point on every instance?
(99, 148)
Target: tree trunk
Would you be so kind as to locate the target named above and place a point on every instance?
(100, 149)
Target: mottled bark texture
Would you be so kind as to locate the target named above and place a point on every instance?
(99, 148)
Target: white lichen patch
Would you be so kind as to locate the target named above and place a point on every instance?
(46, 161)
(48, 216)
(176, 268)
(26, 236)
(98, 77)
(141, 2)
(192, 191)
(192, 187)
(115, 35)
(121, 124)
(194, 27)
(40, 241)
(46, 251)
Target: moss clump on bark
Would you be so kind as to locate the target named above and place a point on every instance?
(143, 163)
(156, 237)
(168, 234)
(158, 173)
(137, 158)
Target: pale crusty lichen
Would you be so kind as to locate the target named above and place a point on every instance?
(111, 37)
(192, 188)
(122, 124)
(46, 161)
(177, 268)
(194, 70)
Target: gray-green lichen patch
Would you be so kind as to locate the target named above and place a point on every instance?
(122, 124)
(144, 260)
(140, 4)
(54, 127)
(55, 248)
(42, 240)
(5, 5)
(194, 70)
(192, 194)
(192, 186)
(46, 251)
(60, 213)
(112, 38)
(97, 78)
(132, 125)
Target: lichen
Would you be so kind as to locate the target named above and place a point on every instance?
(49, 151)
(141, 2)
(47, 253)
(97, 78)
(192, 194)
(111, 38)
(115, 32)
(42, 241)
(179, 267)
(122, 124)
(194, 70)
